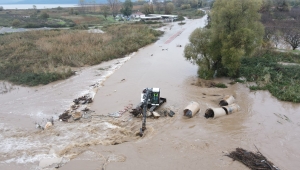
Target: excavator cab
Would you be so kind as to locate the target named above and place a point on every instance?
(153, 98)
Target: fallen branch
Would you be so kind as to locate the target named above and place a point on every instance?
(252, 160)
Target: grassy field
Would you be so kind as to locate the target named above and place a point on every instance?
(40, 57)
(283, 81)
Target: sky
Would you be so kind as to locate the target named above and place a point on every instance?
(9, 1)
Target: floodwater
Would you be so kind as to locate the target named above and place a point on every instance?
(101, 142)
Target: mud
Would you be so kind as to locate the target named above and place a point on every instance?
(103, 142)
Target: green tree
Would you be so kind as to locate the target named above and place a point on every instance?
(169, 8)
(235, 32)
(148, 9)
(1, 8)
(127, 8)
(44, 15)
(15, 23)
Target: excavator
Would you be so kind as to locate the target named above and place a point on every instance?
(150, 100)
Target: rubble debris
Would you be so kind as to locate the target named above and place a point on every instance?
(77, 115)
(155, 115)
(48, 125)
(64, 116)
(50, 163)
(86, 109)
(284, 117)
(83, 100)
(227, 100)
(252, 160)
(136, 111)
(192, 109)
(121, 112)
(171, 113)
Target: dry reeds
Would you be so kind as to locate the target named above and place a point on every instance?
(54, 51)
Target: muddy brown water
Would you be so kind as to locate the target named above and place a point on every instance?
(101, 142)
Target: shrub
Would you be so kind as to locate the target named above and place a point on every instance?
(15, 23)
(185, 6)
(44, 15)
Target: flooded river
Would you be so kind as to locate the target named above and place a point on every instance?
(101, 142)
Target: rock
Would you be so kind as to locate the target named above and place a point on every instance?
(156, 115)
(77, 115)
(48, 125)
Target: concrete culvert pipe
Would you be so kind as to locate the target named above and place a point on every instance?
(227, 100)
(231, 108)
(192, 109)
(215, 112)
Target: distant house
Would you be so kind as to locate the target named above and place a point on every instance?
(138, 15)
(26, 16)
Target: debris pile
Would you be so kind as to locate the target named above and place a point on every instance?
(86, 99)
(164, 112)
(78, 110)
(252, 160)
(121, 112)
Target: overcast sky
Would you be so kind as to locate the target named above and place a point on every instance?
(9, 1)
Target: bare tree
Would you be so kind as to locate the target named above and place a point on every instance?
(94, 5)
(158, 5)
(114, 7)
(292, 37)
(82, 5)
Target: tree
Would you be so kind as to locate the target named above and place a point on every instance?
(198, 51)
(235, 31)
(15, 23)
(127, 8)
(82, 5)
(1, 8)
(148, 9)
(44, 15)
(114, 6)
(158, 5)
(169, 8)
(282, 5)
(291, 34)
(105, 10)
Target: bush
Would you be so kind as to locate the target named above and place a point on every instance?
(44, 15)
(185, 6)
(16, 23)
(283, 81)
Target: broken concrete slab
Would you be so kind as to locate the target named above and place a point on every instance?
(77, 115)
(50, 162)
